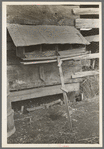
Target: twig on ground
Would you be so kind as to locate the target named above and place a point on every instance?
(53, 103)
(23, 118)
(22, 108)
(35, 108)
(89, 139)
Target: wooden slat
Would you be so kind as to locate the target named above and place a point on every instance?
(87, 56)
(84, 74)
(34, 15)
(71, 52)
(64, 93)
(87, 23)
(83, 11)
(80, 57)
(40, 92)
(85, 29)
(94, 38)
(53, 103)
(41, 73)
(54, 57)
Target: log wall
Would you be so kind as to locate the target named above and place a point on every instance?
(33, 76)
(30, 76)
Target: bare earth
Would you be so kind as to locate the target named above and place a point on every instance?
(51, 125)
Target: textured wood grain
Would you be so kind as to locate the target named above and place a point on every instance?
(87, 23)
(84, 74)
(40, 92)
(82, 11)
(80, 57)
(94, 38)
(41, 14)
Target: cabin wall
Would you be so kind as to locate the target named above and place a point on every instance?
(30, 76)
(93, 31)
(41, 14)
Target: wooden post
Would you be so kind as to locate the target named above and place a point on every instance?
(64, 93)
(93, 63)
(40, 48)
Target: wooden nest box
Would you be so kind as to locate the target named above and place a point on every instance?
(41, 42)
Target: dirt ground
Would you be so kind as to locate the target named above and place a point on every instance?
(51, 125)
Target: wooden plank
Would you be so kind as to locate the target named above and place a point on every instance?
(38, 62)
(41, 15)
(80, 57)
(64, 93)
(87, 56)
(41, 73)
(73, 51)
(53, 103)
(35, 108)
(87, 23)
(83, 11)
(94, 38)
(93, 64)
(85, 29)
(84, 74)
(54, 57)
(41, 92)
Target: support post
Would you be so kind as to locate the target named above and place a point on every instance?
(64, 93)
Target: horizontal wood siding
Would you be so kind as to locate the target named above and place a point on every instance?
(28, 76)
(82, 11)
(87, 23)
(41, 14)
(84, 74)
(94, 38)
(40, 92)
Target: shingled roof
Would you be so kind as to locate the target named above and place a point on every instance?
(27, 35)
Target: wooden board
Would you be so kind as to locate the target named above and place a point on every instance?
(87, 56)
(25, 77)
(41, 73)
(40, 92)
(73, 51)
(55, 57)
(84, 74)
(87, 23)
(80, 57)
(41, 15)
(83, 11)
(94, 38)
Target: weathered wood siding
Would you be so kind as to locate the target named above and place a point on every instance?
(41, 14)
(31, 76)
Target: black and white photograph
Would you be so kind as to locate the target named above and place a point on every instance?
(51, 74)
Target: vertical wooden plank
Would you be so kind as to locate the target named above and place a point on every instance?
(93, 63)
(40, 48)
(41, 73)
(64, 94)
